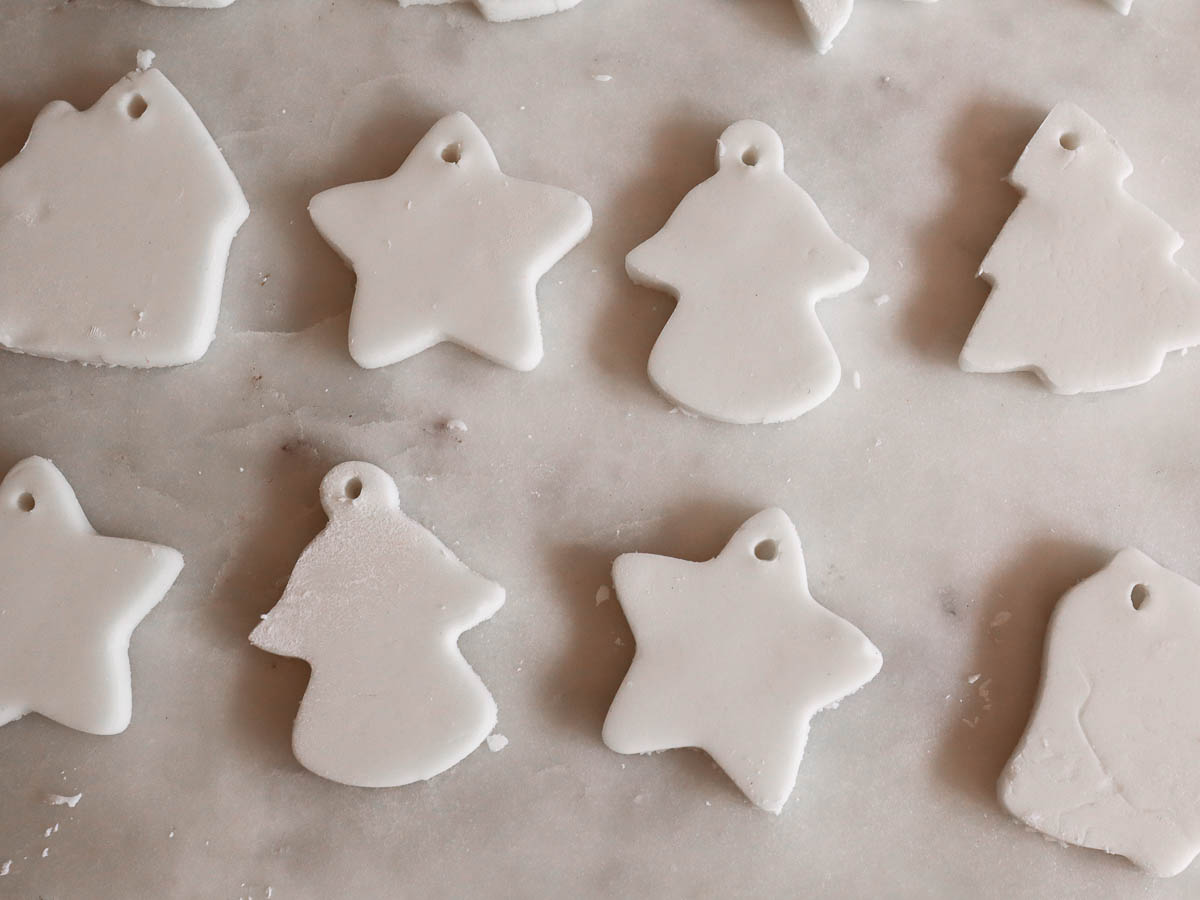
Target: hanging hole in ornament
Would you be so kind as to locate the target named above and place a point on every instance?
(750, 157)
(137, 106)
(766, 550)
(1139, 595)
(354, 488)
(26, 503)
(452, 153)
(1069, 141)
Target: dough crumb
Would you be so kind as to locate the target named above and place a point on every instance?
(602, 78)
(5, 867)
(856, 379)
(61, 800)
(1002, 618)
(882, 299)
(145, 59)
(456, 425)
(45, 852)
(496, 742)
(602, 594)
(971, 679)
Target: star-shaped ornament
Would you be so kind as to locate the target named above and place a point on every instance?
(70, 603)
(449, 248)
(734, 656)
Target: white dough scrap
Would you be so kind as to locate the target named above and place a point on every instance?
(749, 255)
(115, 228)
(506, 10)
(734, 656)
(1109, 759)
(1085, 289)
(70, 603)
(376, 605)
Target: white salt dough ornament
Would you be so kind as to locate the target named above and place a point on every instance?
(506, 10)
(376, 605)
(734, 656)
(449, 248)
(748, 254)
(826, 19)
(1109, 758)
(1085, 292)
(70, 602)
(115, 226)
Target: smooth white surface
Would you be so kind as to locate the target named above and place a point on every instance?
(734, 656)
(934, 503)
(70, 602)
(1108, 760)
(376, 605)
(115, 226)
(1086, 291)
(506, 10)
(748, 254)
(449, 248)
(192, 4)
(826, 19)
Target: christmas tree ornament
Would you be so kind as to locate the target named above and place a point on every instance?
(1085, 290)
(734, 656)
(449, 248)
(1109, 759)
(376, 605)
(748, 255)
(115, 227)
(70, 603)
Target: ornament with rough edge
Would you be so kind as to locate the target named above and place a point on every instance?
(1109, 760)
(1085, 290)
(449, 248)
(115, 227)
(376, 605)
(734, 656)
(506, 10)
(825, 19)
(70, 603)
(748, 255)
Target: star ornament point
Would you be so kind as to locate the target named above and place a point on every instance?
(72, 599)
(449, 248)
(734, 656)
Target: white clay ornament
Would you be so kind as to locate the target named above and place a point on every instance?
(449, 248)
(734, 656)
(70, 603)
(1109, 758)
(1085, 290)
(115, 227)
(825, 19)
(376, 605)
(748, 255)
(506, 10)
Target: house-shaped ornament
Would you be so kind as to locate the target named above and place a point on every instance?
(115, 228)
